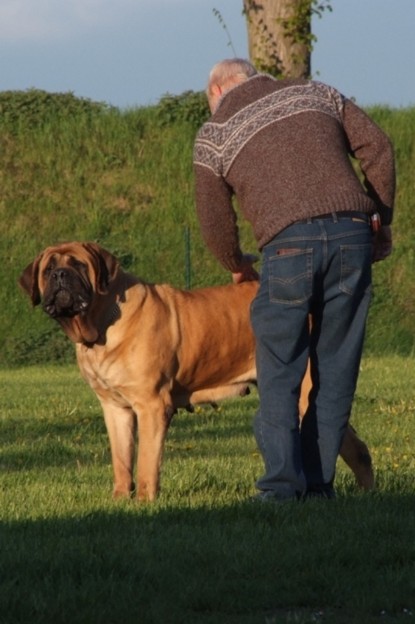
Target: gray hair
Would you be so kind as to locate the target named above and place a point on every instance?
(230, 71)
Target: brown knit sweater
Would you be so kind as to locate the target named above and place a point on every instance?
(283, 148)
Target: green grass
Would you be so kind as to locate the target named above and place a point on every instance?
(125, 180)
(201, 553)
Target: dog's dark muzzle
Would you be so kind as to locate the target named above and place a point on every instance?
(65, 295)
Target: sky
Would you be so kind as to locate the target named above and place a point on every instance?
(130, 53)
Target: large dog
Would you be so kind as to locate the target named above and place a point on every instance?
(147, 350)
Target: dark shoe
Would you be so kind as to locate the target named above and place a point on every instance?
(321, 492)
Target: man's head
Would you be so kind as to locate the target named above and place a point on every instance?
(224, 76)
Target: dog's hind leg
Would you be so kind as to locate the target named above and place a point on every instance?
(121, 423)
(357, 456)
(353, 450)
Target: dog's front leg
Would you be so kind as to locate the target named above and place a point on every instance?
(121, 423)
(153, 423)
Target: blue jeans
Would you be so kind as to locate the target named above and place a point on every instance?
(319, 269)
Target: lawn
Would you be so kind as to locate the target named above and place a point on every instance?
(203, 552)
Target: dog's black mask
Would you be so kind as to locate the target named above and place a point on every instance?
(68, 292)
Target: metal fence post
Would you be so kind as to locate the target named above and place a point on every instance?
(188, 265)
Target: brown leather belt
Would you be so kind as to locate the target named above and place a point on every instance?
(334, 216)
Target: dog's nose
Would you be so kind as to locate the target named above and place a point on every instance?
(59, 275)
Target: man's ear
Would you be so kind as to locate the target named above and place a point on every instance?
(216, 89)
(215, 92)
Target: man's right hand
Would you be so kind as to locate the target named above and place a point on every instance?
(246, 272)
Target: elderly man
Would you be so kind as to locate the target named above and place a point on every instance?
(284, 148)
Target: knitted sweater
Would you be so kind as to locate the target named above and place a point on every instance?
(283, 148)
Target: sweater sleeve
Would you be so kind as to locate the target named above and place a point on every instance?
(217, 217)
(374, 151)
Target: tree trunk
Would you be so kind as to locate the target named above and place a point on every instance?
(279, 36)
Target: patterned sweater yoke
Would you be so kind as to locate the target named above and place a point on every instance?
(218, 144)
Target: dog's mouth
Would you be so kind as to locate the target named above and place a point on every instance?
(63, 303)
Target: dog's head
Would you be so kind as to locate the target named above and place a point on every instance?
(67, 279)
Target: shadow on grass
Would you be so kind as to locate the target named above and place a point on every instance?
(349, 560)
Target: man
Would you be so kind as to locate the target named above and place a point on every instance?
(284, 148)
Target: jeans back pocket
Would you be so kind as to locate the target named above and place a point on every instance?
(290, 275)
(356, 268)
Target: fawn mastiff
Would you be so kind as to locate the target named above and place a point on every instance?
(148, 349)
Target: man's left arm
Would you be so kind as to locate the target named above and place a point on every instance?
(217, 218)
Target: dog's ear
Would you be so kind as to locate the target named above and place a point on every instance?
(29, 280)
(106, 266)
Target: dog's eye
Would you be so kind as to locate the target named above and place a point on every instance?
(78, 265)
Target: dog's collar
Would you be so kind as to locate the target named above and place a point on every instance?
(114, 313)
(104, 322)
(111, 315)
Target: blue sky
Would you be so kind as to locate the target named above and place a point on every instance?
(131, 52)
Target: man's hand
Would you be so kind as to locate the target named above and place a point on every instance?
(246, 272)
(382, 243)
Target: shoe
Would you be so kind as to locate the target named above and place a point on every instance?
(321, 492)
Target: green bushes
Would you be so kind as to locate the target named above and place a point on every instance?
(190, 107)
(35, 108)
(72, 169)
